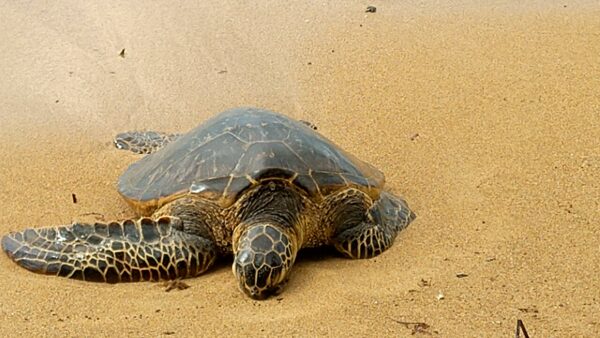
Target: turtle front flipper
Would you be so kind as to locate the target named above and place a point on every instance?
(365, 232)
(144, 249)
(143, 142)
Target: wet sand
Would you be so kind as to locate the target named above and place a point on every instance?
(484, 116)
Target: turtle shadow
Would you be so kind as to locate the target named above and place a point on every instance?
(223, 262)
(318, 254)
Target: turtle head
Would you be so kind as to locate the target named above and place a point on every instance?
(264, 255)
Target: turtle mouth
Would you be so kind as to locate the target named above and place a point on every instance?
(257, 293)
(256, 283)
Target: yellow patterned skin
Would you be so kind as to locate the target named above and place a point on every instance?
(264, 229)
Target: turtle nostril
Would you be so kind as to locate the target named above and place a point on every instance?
(255, 293)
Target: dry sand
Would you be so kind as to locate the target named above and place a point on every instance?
(504, 173)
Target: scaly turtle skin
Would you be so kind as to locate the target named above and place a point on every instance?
(249, 182)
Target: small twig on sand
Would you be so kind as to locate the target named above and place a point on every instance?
(175, 284)
(417, 327)
(96, 215)
(521, 328)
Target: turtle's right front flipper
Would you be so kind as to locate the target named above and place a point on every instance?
(144, 249)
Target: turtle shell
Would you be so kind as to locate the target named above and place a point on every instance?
(238, 149)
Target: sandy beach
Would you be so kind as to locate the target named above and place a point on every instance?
(484, 115)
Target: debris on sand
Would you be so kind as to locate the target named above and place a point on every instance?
(175, 284)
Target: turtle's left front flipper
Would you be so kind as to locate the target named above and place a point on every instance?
(132, 250)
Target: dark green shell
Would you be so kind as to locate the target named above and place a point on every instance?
(238, 149)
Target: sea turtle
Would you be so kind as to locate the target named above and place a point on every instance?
(250, 182)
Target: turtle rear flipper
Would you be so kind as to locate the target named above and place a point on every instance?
(143, 249)
(143, 142)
